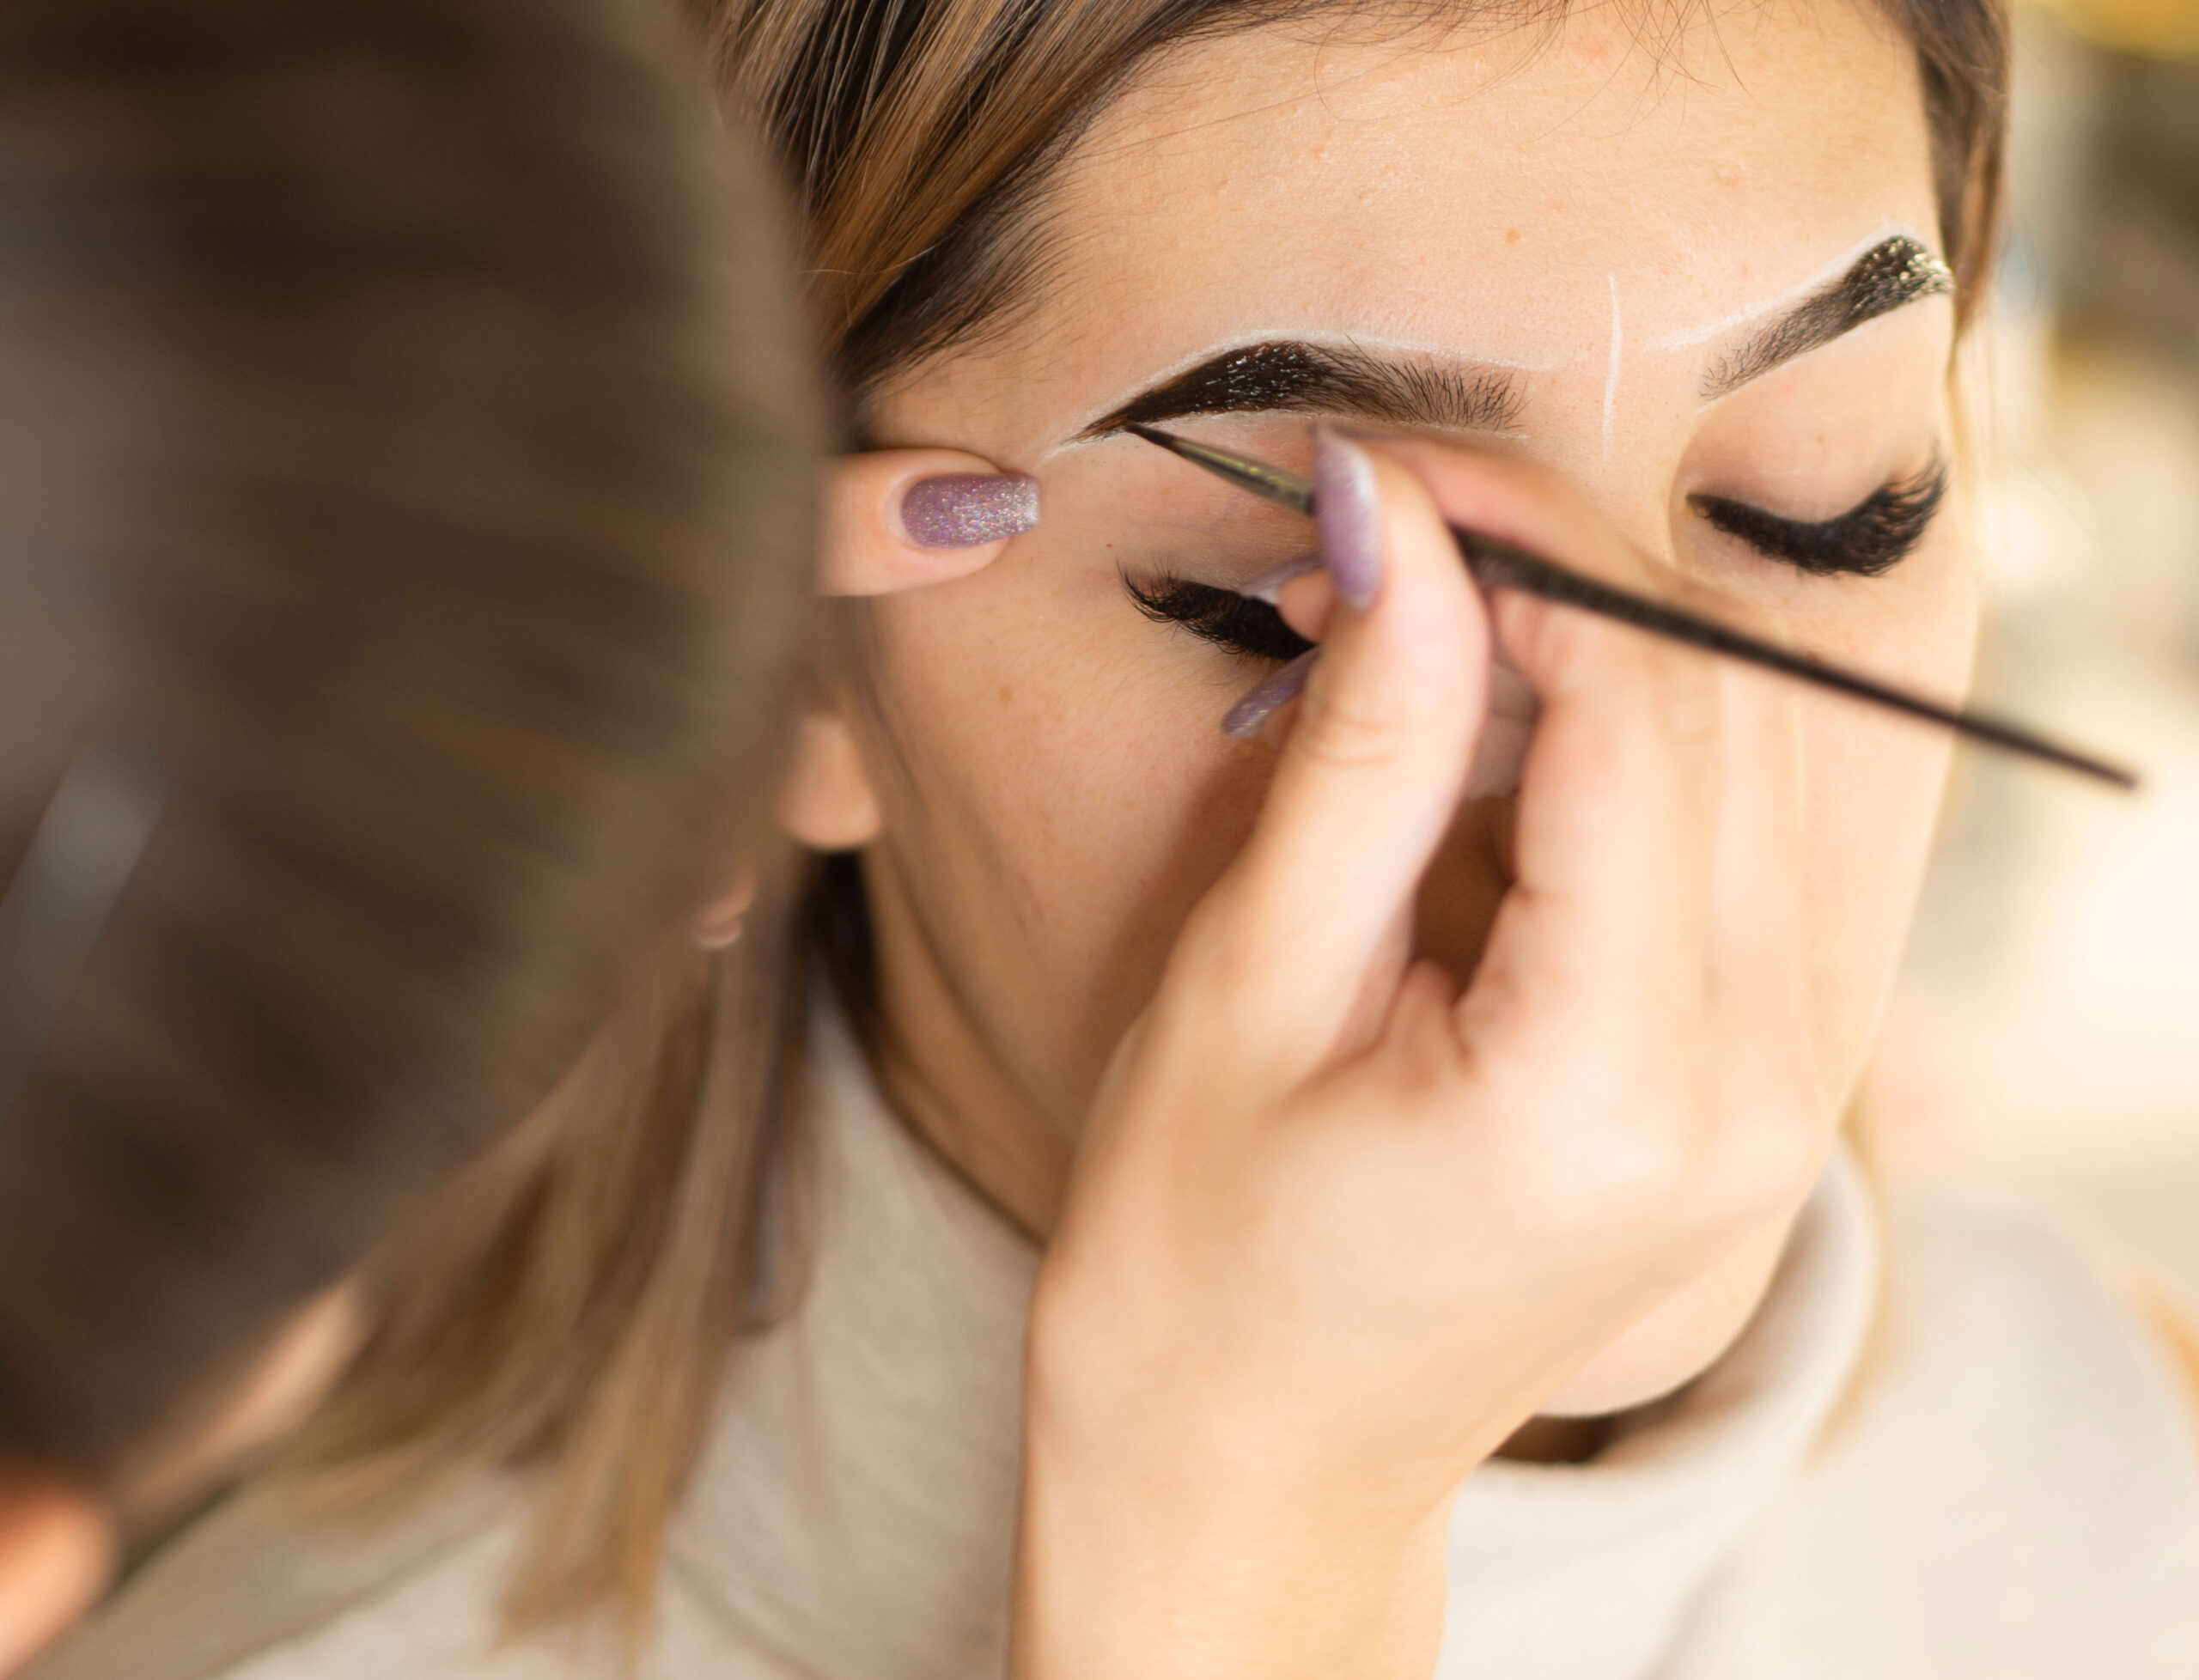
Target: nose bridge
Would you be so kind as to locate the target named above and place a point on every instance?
(1619, 425)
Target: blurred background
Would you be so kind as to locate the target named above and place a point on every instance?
(2045, 1035)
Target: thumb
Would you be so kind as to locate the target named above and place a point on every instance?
(900, 519)
(1311, 914)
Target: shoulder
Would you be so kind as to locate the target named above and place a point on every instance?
(2012, 1488)
(2172, 1323)
(244, 1582)
(245, 1595)
(1999, 1313)
(2035, 1423)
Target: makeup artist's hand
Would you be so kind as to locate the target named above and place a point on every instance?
(1338, 1227)
(900, 519)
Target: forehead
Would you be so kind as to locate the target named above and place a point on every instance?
(1498, 193)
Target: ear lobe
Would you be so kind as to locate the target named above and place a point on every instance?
(826, 802)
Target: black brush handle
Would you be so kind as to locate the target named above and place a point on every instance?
(1498, 566)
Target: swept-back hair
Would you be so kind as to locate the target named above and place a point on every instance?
(920, 135)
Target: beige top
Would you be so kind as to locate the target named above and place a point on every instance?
(2010, 1491)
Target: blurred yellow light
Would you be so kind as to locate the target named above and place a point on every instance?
(2163, 28)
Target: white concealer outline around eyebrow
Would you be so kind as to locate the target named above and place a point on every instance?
(1076, 440)
(1819, 277)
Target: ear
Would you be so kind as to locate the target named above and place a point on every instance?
(826, 802)
(57, 1551)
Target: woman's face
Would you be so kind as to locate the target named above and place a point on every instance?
(1611, 258)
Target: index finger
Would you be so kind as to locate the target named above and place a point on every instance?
(1604, 930)
(904, 519)
(1309, 921)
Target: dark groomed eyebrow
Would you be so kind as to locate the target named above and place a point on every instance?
(1330, 379)
(1893, 272)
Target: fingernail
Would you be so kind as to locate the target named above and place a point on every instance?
(1267, 586)
(1268, 696)
(1350, 518)
(962, 510)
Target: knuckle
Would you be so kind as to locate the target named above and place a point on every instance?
(1614, 1177)
(1771, 1159)
(1639, 1172)
(1220, 962)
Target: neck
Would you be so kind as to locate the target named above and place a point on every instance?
(940, 1078)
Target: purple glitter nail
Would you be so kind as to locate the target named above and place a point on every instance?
(1350, 518)
(1268, 696)
(962, 510)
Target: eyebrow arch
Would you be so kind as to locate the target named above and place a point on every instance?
(1895, 272)
(1290, 375)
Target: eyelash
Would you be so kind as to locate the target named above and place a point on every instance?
(1235, 623)
(1868, 540)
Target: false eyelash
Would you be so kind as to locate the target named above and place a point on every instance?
(1229, 620)
(1869, 540)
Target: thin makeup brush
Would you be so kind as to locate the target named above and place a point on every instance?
(1498, 566)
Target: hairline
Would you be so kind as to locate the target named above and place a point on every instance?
(1019, 259)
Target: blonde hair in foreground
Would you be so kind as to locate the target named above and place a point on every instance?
(573, 1309)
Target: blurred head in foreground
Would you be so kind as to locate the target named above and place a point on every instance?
(404, 471)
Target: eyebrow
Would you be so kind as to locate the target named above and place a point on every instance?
(1292, 376)
(1893, 272)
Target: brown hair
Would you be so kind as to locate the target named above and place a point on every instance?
(920, 137)
(404, 463)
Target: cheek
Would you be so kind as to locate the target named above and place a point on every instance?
(1872, 789)
(1056, 795)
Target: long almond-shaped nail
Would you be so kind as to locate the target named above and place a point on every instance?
(963, 509)
(1268, 696)
(1350, 518)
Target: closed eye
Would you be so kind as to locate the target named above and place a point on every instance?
(1870, 538)
(1229, 620)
